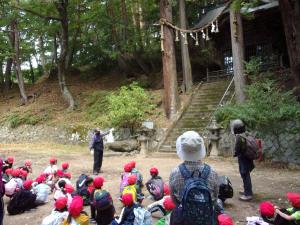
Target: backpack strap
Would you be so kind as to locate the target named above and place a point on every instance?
(184, 171)
(205, 172)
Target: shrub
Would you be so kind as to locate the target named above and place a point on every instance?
(129, 106)
(16, 119)
(265, 108)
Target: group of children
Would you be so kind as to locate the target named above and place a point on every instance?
(26, 194)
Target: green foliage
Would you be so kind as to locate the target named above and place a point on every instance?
(252, 67)
(129, 107)
(266, 107)
(17, 119)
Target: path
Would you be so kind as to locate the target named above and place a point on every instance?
(270, 183)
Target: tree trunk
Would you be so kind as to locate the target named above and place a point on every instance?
(62, 8)
(171, 98)
(7, 75)
(43, 57)
(290, 12)
(1, 76)
(185, 57)
(124, 21)
(17, 62)
(31, 71)
(238, 55)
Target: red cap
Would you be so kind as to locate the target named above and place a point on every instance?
(52, 160)
(60, 173)
(65, 165)
(98, 182)
(67, 175)
(127, 167)
(166, 189)
(24, 173)
(10, 159)
(131, 179)
(61, 203)
(40, 179)
(69, 188)
(267, 209)
(154, 170)
(8, 171)
(169, 205)
(16, 173)
(224, 219)
(127, 199)
(294, 199)
(133, 164)
(76, 206)
(27, 184)
(27, 162)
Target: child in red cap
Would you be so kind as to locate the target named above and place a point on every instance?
(127, 214)
(65, 167)
(224, 219)
(42, 190)
(58, 214)
(62, 192)
(76, 213)
(168, 206)
(102, 208)
(52, 168)
(8, 163)
(290, 215)
(124, 176)
(131, 187)
(22, 200)
(27, 166)
(155, 185)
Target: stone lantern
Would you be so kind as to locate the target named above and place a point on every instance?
(144, 136)
(214, 138)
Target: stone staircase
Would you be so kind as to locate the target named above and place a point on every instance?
(198, 114)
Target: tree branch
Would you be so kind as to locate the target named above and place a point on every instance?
(37, 14)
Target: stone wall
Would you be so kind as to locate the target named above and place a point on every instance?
(282, 147)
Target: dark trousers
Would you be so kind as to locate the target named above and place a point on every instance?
(98, 157)
(1, 210)
(247, 183)
(93, 212)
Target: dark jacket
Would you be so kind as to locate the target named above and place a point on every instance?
(128, 216)
(97, 142)
(245, 165)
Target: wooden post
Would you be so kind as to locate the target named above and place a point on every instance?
(185, 57)
(238, 55)
(171, 98)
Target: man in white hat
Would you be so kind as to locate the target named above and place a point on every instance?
(191, 149)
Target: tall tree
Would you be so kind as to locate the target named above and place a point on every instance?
(238, 55)
(185, 57)
(290, 12)
(171, 98)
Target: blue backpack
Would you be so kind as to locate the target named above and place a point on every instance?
(197, 206)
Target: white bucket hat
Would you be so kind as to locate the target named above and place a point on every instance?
(190, 146)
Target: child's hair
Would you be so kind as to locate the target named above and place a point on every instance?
(88, 181)
(62, 185)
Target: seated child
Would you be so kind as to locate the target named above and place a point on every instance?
(51, 172)
(27, 166)
(22, 200)
(65, 167)
(8, 163)
(131, 187)
(124, 176)
(102, 208)
(41, 190)
(158, 205)
(155, 185)
(23, 174)
(7, 175)
(58, 214)
(84, 186)
(52, 168)
(62, 192)
(224, 219)
(76, 215)
(127, 214)
(139, 176)
(168, 205)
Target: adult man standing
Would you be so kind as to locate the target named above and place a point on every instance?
(246, 165)
(96, 148)
(190, 148)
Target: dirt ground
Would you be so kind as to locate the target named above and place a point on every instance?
(269, 182)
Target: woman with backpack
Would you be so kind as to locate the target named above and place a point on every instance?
(193, 184)
(102, 208)
(246, 165)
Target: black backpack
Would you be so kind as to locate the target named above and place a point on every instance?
(196, 202)
(82, 189)
(225, 188)
(20, 202)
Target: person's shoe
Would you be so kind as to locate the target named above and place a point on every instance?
(245, 198)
